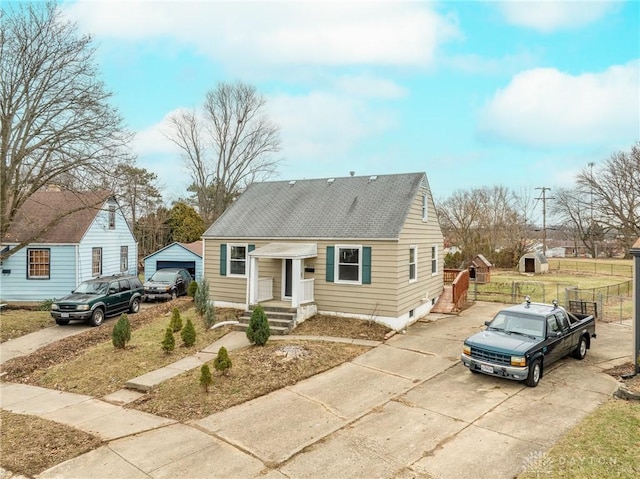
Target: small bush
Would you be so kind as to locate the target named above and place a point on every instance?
(201, 297)
(192, 289)
(222, 362)
(45, 305)
(176, 320)
(121, 333)
(188, 334)
(169, 342)
(210, 316)
(258, 331)
(206, 379)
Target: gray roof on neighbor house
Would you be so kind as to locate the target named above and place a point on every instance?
(367, 207)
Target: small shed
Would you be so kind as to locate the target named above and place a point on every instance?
(176, 255)
(480, 270)
(533, 263)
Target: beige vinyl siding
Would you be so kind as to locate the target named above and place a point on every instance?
(424, 235)
(378, 298)
(222, 288)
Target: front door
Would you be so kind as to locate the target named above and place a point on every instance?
(288, 273)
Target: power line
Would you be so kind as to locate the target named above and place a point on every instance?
(544, 199)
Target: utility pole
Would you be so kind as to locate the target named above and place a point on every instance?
(544, 199)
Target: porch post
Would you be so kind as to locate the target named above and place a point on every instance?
(296, 274)
(254, 274)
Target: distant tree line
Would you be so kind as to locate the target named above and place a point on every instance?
(600, 214)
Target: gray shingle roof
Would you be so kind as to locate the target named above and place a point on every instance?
(350, 207)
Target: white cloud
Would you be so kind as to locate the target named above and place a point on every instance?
(552, 15)
(368, 86)
(546, 107)
(322, 125)
(278, 33)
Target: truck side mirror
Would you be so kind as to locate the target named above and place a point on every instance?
(487, 323)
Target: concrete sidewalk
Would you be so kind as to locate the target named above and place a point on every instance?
(406, 408)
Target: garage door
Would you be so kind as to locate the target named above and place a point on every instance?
(190, 266)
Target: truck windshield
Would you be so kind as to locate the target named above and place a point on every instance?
(518, 323)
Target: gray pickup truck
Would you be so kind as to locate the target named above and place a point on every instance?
(522, 340)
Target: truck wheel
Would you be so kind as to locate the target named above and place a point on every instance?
(535, 372)
(581, 350)
(97, 317)
(135, 305)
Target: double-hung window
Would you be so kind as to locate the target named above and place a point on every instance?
(434, 259)
(349, 264)
(124, 258)
(237, 260)
(39, 263)
(413, 263)
(96, 261)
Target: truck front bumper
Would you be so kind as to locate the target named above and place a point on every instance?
(510, 372)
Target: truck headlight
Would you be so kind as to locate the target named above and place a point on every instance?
(518, 361)
(54, 307)
(82, 307)
(466, 349)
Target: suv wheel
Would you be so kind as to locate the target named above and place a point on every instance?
(97, 317)
(135, 305)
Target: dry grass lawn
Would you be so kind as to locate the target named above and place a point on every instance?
(18, 322)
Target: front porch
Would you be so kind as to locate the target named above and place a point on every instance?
(286, 279)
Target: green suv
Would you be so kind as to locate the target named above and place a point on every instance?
(98, 298)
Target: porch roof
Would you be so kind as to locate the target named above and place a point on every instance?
(286, 250)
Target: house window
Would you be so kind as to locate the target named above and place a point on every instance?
(425, 208)
(413, 263)
(96, 261)
(348, 263)
(124, 258)
(237, 260)
(39, 263)
(434, 259)
(112, 217)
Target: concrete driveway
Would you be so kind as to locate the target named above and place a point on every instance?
(406, 409)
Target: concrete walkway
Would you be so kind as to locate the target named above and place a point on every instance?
(405, 409)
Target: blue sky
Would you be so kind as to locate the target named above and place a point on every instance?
(474, 93)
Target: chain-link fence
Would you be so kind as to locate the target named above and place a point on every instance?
(609, 303)
(592, 267)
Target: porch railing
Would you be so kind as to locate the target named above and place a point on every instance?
(265, 288)
(460, 287)
(307, 291)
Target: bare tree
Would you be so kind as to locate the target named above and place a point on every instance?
(615, 189)
(487, 221)
(226, 146)
(136, 190)
(573, 208)
(56, 123)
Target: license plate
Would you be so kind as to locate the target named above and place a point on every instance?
(64, 315)
(486, 369)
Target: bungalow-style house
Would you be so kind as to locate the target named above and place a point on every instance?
(176, 255)
(90, 237)
(362, 246)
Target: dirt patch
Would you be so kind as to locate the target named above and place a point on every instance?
(31, 445)
(320, 325)
(624, 373)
